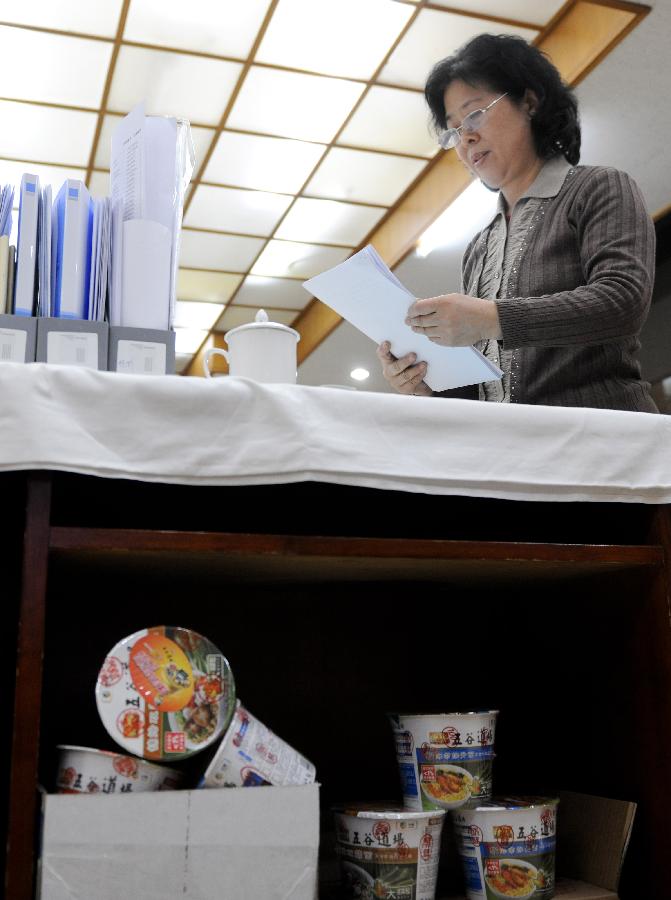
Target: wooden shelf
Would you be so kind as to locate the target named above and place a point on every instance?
(263, 557)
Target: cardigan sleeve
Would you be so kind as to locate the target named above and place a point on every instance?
(609, 225)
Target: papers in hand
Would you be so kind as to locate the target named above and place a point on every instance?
(365, 292)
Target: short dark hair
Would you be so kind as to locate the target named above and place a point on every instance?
(508, 64)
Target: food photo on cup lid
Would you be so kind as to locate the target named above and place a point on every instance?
(165, 693)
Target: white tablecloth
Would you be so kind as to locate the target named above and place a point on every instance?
(231, 431)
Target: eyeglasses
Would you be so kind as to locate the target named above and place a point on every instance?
(452, 136)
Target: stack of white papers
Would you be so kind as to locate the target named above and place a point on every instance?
(44, 300)
(149, 173)
(364, 291)
(100, 259)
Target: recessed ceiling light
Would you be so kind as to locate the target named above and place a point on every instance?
(359, 374)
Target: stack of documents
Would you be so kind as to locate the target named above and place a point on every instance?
(25, 287)
(6, 256)
(151, 164)
(72, 221)
(6, 204)
(44, 253)
(365, 292)
(100, 259)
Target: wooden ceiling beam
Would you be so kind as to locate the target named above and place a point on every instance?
(576, 41)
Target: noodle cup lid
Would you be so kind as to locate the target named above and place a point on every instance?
(496, 804)
(393, 811)
(67, 749)
(165, 693)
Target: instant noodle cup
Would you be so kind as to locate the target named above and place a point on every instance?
(507, 847)
(388, 851)
(445, 760)
(251, 754)
(165, 693)
(83, 770)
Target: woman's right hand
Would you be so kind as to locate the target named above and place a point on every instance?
(404, 373)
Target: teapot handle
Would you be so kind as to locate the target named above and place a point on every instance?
(213, 351)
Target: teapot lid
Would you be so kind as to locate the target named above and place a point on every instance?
(261, 321)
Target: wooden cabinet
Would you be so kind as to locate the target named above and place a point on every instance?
(337, 605)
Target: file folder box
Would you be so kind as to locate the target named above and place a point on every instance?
(18, 338)
(141, 351)
(73, 342)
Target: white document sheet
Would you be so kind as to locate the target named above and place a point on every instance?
(145, 286)
(365, 292)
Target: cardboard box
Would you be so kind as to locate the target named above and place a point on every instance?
(141, 351)
(592, 839)
(73, 342)
(18, 338)
(235, 843)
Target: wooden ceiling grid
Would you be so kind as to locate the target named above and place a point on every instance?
(576, 38)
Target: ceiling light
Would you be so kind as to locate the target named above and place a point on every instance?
(188, 340)
(463, 218)
(359, 374)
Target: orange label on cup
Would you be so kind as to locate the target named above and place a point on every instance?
(161, 672)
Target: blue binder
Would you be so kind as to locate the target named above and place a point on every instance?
(25, 286)
(72, 227)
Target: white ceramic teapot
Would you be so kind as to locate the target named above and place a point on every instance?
(262, 350)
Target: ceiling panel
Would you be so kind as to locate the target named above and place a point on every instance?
(44, 133)
(211, 287)
(313, 36)
(364, 176)
(289, 259)
(240, 211)
(539, 12)
(433, 36)
(391, 119)
(224, 252)
(221, 27)
(188, 340)
(263, 163)
(195, 314)
(329, 222)
(99, 184)
(79, 83)
(282, 293)
(289, 104)
(66, 15)
(173, 84)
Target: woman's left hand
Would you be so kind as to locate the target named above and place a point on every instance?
(455, 320)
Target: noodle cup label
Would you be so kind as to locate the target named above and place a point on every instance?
(388, 852)
(251, 754)
(507, 848)
(445, 760)
(165, 693)
(84, 770)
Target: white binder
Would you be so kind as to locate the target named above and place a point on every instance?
(26, 251)
(72, 221)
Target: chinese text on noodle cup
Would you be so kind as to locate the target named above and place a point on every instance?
(507, 848)
(445, 760)
(165, 693)
(388, 852)
(251, 754)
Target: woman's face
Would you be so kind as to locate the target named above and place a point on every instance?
(501, 153)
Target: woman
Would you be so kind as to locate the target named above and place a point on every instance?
(556, 288)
